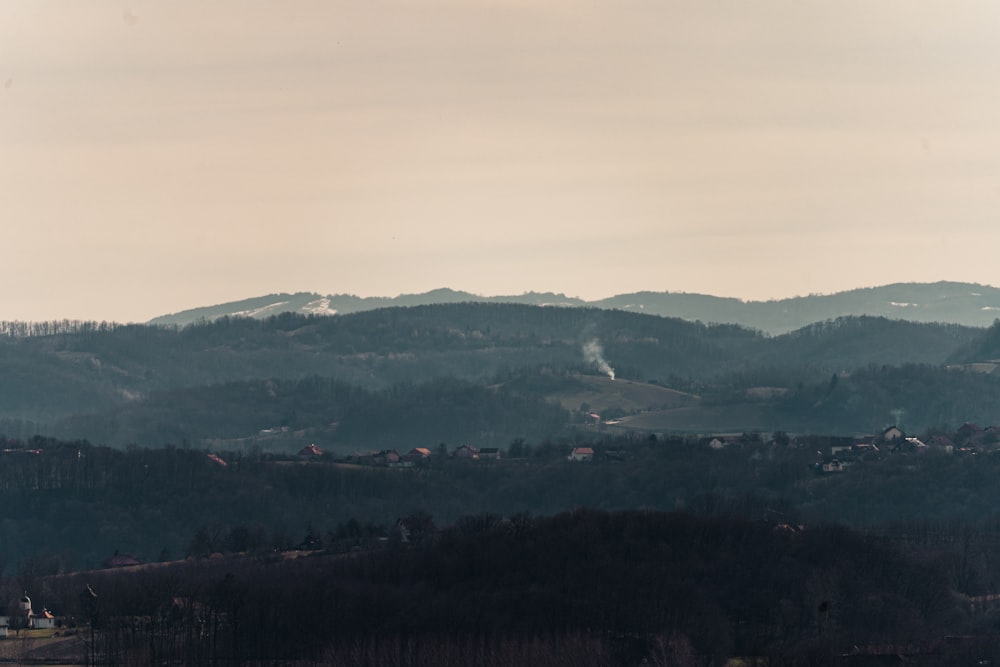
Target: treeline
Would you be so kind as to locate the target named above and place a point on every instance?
(580, 588)
(23, 329)
(329, 412)
(926, 397)
(69, 505)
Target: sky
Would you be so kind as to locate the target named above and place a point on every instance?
(157, 156)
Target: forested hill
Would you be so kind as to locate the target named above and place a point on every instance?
(959, 303)
(534, 372)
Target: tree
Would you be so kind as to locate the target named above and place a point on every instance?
(516, 449)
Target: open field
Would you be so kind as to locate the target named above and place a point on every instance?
(43, 647)
(602, 393)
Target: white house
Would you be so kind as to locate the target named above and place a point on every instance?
(44, 620)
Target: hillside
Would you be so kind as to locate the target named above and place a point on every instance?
(216, 381)
(584, 589)
(226, 380)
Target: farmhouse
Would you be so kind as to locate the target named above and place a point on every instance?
(466, 452)
(418, 455)
(44, 620)
(833, 465)
(311, 452)
(892, 433)
(27, 618)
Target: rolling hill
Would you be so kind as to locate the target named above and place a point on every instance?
(968, 304)
(480, 372)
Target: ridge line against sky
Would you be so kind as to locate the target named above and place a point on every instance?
(159, 156)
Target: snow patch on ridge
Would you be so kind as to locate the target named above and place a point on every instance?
(259, 312)
(319, 307)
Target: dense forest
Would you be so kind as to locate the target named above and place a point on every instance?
(70, 505)
(580, 588)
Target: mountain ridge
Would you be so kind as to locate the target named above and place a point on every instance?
(969, 304)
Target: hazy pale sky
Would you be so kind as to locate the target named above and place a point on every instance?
(163, 155)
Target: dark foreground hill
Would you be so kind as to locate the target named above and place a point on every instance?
(70, 505)
(586, 588)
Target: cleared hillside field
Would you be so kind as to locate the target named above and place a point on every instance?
(601, 393)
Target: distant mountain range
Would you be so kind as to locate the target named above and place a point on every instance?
(968, 304)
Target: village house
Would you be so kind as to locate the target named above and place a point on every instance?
(28, 618)
(43, 620)
(943, 443)
(723, 441)
(489, 453)
(310, 452)
(217, 460)
(387, 457)
(466, 452)
(969, 433)
(120, 560)
(892, 433)
(361, 458)
(418, 455)
(863, 450)
(833, 465)
(581, 454)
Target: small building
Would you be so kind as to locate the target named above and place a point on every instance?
(44, 620)
(217, 460)
(311, 452)
(489, 453)
(466, 452)
(387, 457)
(892, 433)
(833, 465)
(969, 431)
(24, 611)
(581, 454)
(942, 442)
(864, 450)
(121, 560)
(418, 455)
(723, 441)
(362, 458)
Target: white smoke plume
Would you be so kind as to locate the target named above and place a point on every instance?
(593, 353)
